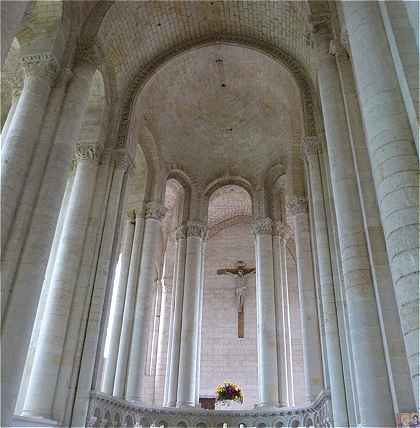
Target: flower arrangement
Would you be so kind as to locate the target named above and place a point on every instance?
(229, 391)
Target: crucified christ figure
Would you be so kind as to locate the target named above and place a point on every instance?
(240, 273)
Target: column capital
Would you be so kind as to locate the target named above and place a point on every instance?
(297, 205)
(181, 232)
(131, 215)
(283, 230)
(339, 51)
(167, 284)
(41, 66)
(155, 210)
(311, 146)
(196, 229)
(86, 152)
(263, 226)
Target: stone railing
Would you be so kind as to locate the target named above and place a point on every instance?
(106, 411)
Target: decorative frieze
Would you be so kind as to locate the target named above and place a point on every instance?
(41, 66)
(297, 205)
(196, 229)
(86, 152)
(263, 226)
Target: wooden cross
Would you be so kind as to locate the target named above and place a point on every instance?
(240, 273)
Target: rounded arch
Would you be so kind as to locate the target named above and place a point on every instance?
(185, 182)
(285, 59)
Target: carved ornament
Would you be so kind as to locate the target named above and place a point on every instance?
(263, 226)
(196, 229)
(155, 210)
(41, 66)
(85, 152)
(297, 205)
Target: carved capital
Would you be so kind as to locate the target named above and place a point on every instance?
(283, 230)
(263, 226)
(196, 229)
(181, 232)
(311, 146)
(41, 66)
(131, 215)
(339, 51)
(155, 210)
(297, 205)
(86, 152)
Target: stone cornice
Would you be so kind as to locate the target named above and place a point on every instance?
(263, 226)
(297, 205)
(41, 66)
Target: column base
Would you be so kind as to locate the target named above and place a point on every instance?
(267, 405)
(186, 404)
(30, 420)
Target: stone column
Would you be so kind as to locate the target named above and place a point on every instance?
(22, 135)
(280, 317)
(52, 334)
(144, 297)
(38, 240)
(172, 364)
(129, 305)
(188, 353)
(375, 403)
(16, 92)
(312, 357)
(155, 327)
(266, 315)
(163, 342)
(311, 147)
(115, 333)
(394, 162)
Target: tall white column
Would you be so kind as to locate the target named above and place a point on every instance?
(394, 161)
(55, 321)
(115, 333)
(266, 315)
(144, 297)
(33, 259)
(22, 135)
(175, 331)
(155, 327)
(311, 147)
(188, 353)
(312, 357)
(280, 317)
(129, 307)
(370, 372)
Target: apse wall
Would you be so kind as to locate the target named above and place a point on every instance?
(224, 356)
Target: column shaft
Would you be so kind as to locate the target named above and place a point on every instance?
(54, 325)
(115, 333)
(332, 339)
(312, 356)
(175, 332)
(23, 133)
(10, 114)
(375, 403)
(394, 162)
(142, 314)
(129, 307)
(266, 315)
(188, 353)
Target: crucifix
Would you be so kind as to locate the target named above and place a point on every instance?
(240, 273)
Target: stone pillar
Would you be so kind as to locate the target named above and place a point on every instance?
(144, 297)
(17, 90)
(312, 357)
(280, 317)
(50, 344)
(155, 327)
(129, 306)
(266, 315)
(163, 342)
(311, 147)
(22, 136)
(375, 403)
(394, 162)
(172, 365)
(188, 357)
(38, 240)
(115, 333)
(12, 13)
